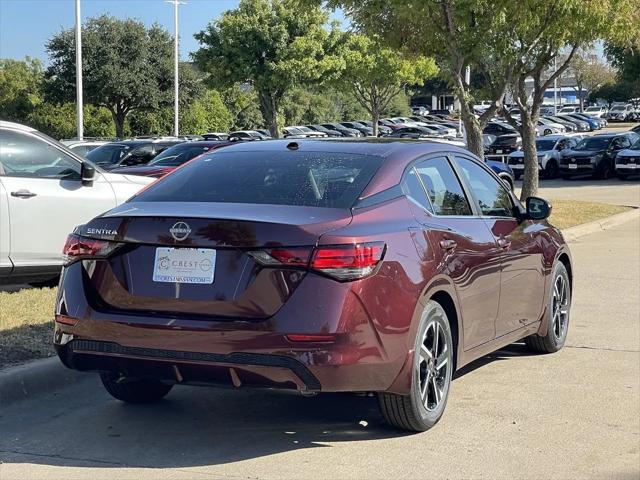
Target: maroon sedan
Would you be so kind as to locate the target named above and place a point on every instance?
(317, 266)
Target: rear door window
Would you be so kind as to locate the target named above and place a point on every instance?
(443, 187)
(320, 179)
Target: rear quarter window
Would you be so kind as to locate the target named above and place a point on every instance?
(320, 179)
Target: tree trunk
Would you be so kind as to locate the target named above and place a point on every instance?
(530, 179)
(269, 104)
(470, 121)
(119, 118)
(374, 118)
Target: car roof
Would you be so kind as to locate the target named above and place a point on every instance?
(16, 126)
(611, 135)
(396, 153)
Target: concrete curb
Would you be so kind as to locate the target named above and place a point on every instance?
(573, 233)
(34, 378)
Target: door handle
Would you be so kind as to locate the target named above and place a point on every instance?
(504, 243)
(448, 244)
(22, 193)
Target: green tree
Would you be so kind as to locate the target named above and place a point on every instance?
(20, 88)
(589, 72)
(271, 45)
(126, 67)
(375, 75)
(626, 58)
(457, 34)
(242, 103)
(548, 30)
(206, 114)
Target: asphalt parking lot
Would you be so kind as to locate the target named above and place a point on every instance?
(511, 415)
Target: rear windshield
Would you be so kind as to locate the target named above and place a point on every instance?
(317, 179)
(175, 156)
(108, 154)
(593, 143)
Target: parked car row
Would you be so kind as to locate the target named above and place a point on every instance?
(600, 156)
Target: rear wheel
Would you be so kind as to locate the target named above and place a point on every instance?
(557, 314)
(623, 176)
(547, 132)
(134, 391)
(431, 377)
(566, 177)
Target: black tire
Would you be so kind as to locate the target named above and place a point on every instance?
(551, 169)
(623, 176)
(516, 176)
(547, 132)
(566, 177)
(603, 171)
(558, 323)
(134, 391)
(410, 412)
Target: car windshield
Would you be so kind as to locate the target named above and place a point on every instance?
(636, 145)
(109, 154)
(174, 156)
(618, 108)
(316, 179)
(543, 145)
(593, 109)
(593, 143)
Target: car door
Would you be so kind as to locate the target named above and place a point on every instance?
(517, 246)
(5, 262)
(467, 249)
(45, 197)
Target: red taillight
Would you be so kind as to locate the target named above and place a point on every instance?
(77, 247)
(342, 262)
(65, 320)
(348, 262)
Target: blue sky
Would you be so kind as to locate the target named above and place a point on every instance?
(26, 25)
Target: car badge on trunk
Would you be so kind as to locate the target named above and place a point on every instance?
(180, 231)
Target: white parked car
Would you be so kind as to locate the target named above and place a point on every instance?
(596, 111)
(83, 147)
(548, 127)
(550, 148)
(569, 109)
(628, 161)
(46, 190)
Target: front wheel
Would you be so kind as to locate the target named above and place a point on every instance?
(557, 314)
(134, 391)
(431, 376)
(551, 169)
(623, 176)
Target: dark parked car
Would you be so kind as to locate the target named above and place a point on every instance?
(498, 128)
(415, 133)
(595, 155)
(128, 153)
(382, 129)
(363, 129)
(247, 135)
(171, 158)
(317, 266)
(505, 144)
(321, 129)
(628, 161)
(346, 132)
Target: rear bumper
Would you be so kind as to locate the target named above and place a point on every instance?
(240, 352)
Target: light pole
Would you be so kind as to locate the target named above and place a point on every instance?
(555, 87)
(79, 112)
(176, 106)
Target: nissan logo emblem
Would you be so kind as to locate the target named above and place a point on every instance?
(180, 231)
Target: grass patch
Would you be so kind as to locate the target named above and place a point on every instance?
(569, 213)
(26, 325)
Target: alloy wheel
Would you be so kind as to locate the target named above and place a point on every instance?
(433, 365)
(560, 307)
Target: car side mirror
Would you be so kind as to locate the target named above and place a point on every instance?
(87, 174)
(538, 208)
